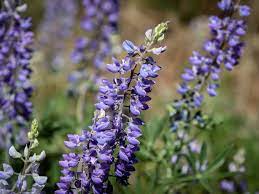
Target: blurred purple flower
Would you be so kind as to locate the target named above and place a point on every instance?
(100, 23)
(56, 27)
(15, 88)
(228, 186)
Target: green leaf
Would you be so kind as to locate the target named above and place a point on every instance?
(203, 154)
(206, 185)
(191, 159)
(219, 161)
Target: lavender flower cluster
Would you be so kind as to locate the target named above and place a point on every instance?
(100, 23)
(223, 49)
(57, 24)
(108, 149)
(15, 88)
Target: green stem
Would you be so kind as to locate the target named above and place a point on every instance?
(23, 173)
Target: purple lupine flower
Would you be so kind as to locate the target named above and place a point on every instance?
(55, 29)
(225, 5)
(109, 147)
(222, 51)
(244, 10)
(15, 88)
(228, 186)
(100, 23)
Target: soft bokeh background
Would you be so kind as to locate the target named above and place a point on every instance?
(237, 103)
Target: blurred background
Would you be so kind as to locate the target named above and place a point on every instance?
(237, 103)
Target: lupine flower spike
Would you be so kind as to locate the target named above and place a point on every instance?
(221, 52)
(108, 149)
(16, 39)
